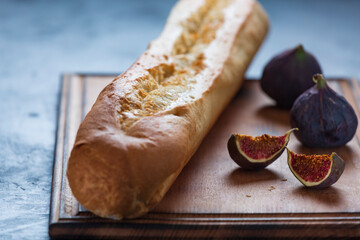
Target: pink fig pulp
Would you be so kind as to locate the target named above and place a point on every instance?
(316, 171)
(257, 152)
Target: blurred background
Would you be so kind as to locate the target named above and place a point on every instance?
(40, 40)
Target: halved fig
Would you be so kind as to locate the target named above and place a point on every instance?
(257, 152)
(316, 171)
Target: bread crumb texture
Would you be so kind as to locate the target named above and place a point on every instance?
(171, 82)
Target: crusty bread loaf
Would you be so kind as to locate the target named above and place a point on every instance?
(145, 125)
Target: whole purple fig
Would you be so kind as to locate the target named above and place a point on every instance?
(288, 75)
(324, 118)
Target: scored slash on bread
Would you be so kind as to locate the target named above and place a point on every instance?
(145, 125)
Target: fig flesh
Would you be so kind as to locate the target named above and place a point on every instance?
(316, 171)
(257, 152)
(324, 118)
(288, 75)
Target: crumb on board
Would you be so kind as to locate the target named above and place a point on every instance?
(271, 188)
(248, 195)
(283, 180)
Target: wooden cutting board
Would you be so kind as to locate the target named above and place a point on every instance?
(213, 197)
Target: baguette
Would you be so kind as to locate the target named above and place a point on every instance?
(148, 122)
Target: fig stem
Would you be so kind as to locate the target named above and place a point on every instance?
(319, 80)
(300, 48)
(291, 130)
(300, 52)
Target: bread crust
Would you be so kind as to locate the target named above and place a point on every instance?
(145, 125)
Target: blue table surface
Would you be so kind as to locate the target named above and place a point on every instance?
(39, 40)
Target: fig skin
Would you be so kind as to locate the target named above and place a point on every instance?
(244, 162)
(288, 75)
(324, 118)
(336, 170)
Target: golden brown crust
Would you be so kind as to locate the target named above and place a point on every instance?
(146, 124)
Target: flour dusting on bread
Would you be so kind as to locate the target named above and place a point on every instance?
(145, 125)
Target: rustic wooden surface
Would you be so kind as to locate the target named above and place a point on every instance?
(213, 196)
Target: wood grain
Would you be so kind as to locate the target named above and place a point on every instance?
(213, 197)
